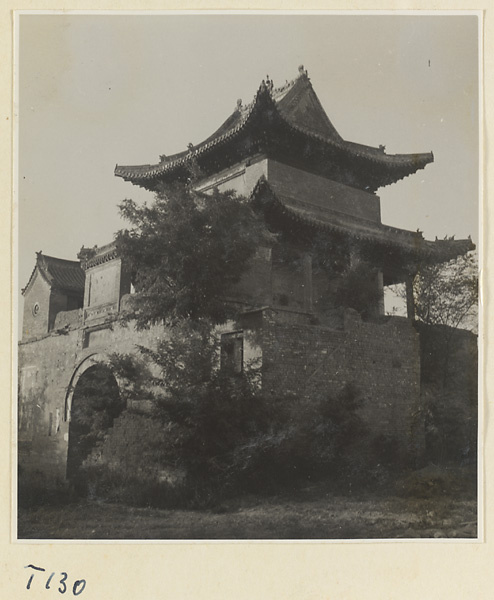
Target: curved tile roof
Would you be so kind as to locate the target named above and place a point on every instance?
(299, 108)
(60, 274)
(363, 229)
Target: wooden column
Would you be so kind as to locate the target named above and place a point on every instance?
(380, 289)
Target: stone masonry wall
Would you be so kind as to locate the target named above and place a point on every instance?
(47, 365)
(45, 368)
(380, 359)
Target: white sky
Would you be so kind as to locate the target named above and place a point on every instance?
(99, 90)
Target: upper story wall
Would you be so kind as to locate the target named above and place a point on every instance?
(106, 283)
(36, 315)
(301, 187)
(42, 305)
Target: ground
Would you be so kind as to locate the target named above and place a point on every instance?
(311, 513)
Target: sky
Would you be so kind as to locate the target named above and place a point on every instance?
(97, 90)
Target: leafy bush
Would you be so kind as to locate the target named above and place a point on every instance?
(227, 438)
(33, 490)
(131, 488)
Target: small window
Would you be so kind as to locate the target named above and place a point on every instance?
(232, 352)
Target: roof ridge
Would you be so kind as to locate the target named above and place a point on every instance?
(325, 133)
(59, 273)
(184, 158)
(57, 259)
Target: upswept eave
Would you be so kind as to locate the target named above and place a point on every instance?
(361, 229)
(59, 273)
(284, 101)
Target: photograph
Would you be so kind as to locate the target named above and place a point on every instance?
(247, 252)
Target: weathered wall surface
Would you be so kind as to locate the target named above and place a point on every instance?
(35, 321)
(323, 193)
(298, 185)
(449, 360)
(380, 359)
(299, 356)
(48, 368)
(254, 287)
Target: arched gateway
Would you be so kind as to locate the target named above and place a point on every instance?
(283, 153)
(92, 403)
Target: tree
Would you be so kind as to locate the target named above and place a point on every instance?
(357, 288)
(185, 252)
(447, 294)
(446, 303)
(230, 437)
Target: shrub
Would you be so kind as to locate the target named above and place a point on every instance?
(33, 490)
(135, 489)
(227, 440)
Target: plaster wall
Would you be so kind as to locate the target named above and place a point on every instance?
(38, 294)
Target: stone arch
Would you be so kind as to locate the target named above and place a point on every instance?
(96, 358)
(93, 401)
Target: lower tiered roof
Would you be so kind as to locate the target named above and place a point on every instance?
(400, 249)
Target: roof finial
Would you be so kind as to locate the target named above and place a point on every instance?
(190, 146)
(239, 104)
(86, 253)
(302, 71)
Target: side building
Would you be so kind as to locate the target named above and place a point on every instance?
(281, 152)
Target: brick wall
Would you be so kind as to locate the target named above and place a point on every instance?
(380, 359)
(449, 360)
(47, 365)
(45, 368)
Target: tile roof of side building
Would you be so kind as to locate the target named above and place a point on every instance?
(298, 106)
(60, 274)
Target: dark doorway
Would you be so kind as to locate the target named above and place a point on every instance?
(96, 402)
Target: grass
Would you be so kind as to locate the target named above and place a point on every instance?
(314, 512)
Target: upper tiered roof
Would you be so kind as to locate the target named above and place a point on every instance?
(60, 274)
(288, 123)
